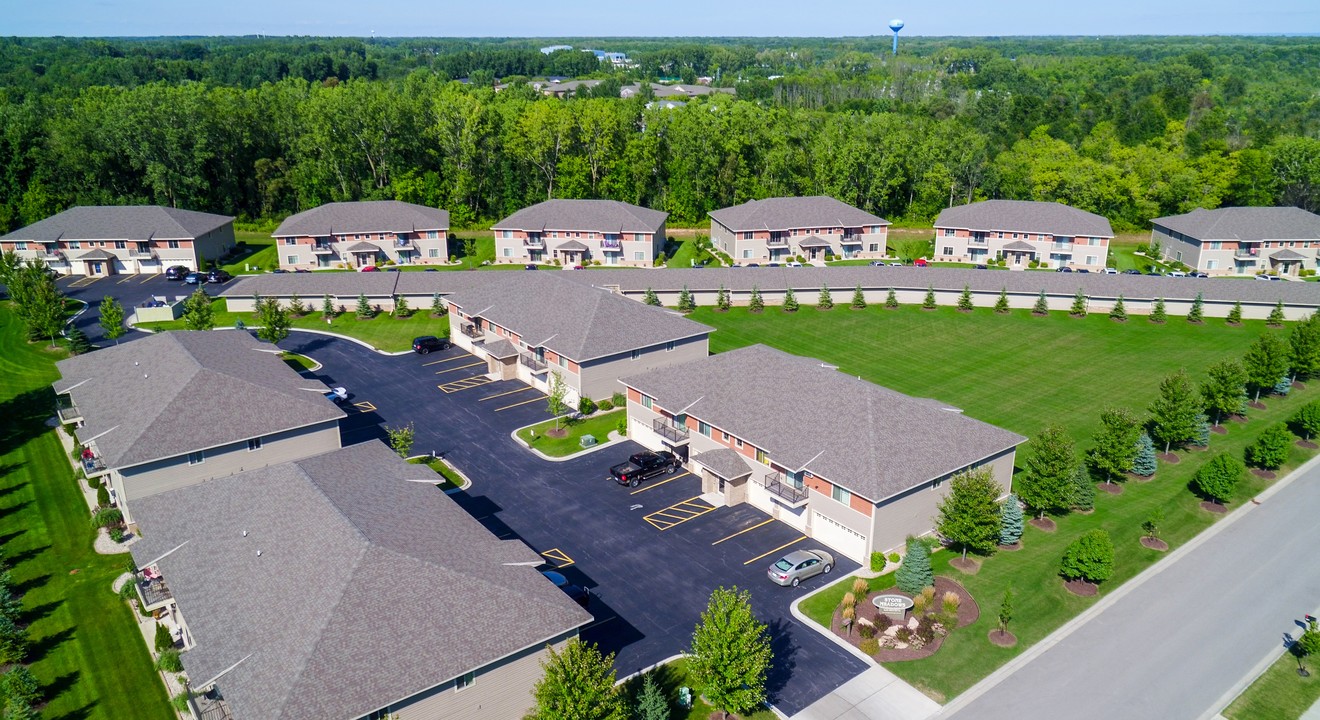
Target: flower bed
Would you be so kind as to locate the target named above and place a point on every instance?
(920, 636)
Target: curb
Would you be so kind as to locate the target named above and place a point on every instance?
(802, 618)
(467, 481)
(599, 446)
(363, 343)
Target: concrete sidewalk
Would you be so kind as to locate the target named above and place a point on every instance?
(876, 694)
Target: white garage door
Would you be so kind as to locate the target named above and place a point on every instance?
(839, 537)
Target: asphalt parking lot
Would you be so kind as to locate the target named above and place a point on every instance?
(650, 555)
(129, 290)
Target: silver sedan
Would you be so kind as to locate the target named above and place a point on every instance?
(799, 565)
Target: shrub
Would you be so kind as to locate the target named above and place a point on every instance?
(918, 605)
(586, 406)
(915, 573)
(848, 600)
(622, 427)
(861, 588)
(105, 517)
(870, 646)
(618, 399)
(1270, 450)
(866, 630)
(1033, 264)
(126, 591)
(116, 534)
(660, 260)
(19, 686)
(848, 613)
(903, 635)
(951, 600)
(928, 593)
(925, 632)
(883, 622)
(164, 640)
(102, 495)
(877, 562)
(894, 558)
(605, 405)
(169, 661)
(1089, 557)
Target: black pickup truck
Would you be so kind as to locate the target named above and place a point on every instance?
(644, 466)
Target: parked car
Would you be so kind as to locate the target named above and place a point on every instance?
(337, 395)
(1177, 273)
(895, 263)
(1155, 274)
(177, 272)
(919, 262)
(753, 264)
(299, 270)
(773, 264)
(219, 276)
(579, 594)
(644, 466)
(794, 263)
(1083, 270)
(1065, 268)
(281, 271)
(194, 278)
(530, 266)
(1131, 272)
(981, 267)
(793, 568)
(426, 343)
(1110, 271)
(577, 267)
(368, 268)
(1198, 275)
(877, 263)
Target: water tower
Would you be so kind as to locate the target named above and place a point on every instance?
(895, 25)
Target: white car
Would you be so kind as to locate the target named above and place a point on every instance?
(337, 395)
(1110, 271)
(795, 263)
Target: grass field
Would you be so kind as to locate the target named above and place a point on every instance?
(256, 253)
(449, 480)
(1279, 693)
(300, 363)
(674, 675)
(86, 651)
(598, 426)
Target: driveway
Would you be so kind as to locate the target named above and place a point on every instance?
(650, 578)
(129, 290)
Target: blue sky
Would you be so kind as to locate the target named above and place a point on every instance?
(551, 18)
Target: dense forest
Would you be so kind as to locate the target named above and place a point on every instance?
(1132, 128)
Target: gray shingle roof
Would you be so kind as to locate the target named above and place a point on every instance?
(814, 241)
(1025, 216)
(121, 222)
(97, 254)
(1245, 223)
(360, 247)
(1020, 245)
(578, 321)
(867, 438)
(370, 586)
(500, 349)
(313, 285)
(725, 462)
(592, 215)
(366, 216)
(176, 392)
(573, 245)
(1286, 254)
(786, 213)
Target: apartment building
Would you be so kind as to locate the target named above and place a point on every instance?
(101, 240)
(854, 465)
(357, 234)
(530, 326)
(1021, 231)
(779, 229)
(178, 408)
(570, 233)
(1241, 240)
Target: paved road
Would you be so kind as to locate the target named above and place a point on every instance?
(1169, 649)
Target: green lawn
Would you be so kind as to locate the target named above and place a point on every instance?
(598, 425)
(686, 252)
(300, 363)
(672, 676)
(1123, 253)
(86, 649)
(384, 332)
(1279, 693)
(449, 479)
(256, 253)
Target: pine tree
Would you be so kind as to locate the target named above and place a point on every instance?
(1157, 313)
(651, 702)
(296, 306)
(1225, 389)
(790, 301)
(1051, 462)
(437, 307)
(1235, 315)
(685, 302)
(965, 299)
(1001, 305)
(1115, 443)
(1196, 314)
(915, 573)
(197, 313)
(1265, 362)
(1276, 315)
(825, 301)
(401, 308)
(1079, 304)
(722, 300)
(891, 300)
(78, 342)
(1090, 558)
(1083, 495)
(730, 653)
(1042, 306)
(929, 302)
(1173, 414)
(1118, 312)
(327, 307)
(1143, 463)
(969, 514)
(1010, 521)
(1304, 347)
(1219, 478)
(651, 298)
(1202, 438)
(363, 310)
(755, 303)
(578, 682)
(858, 298)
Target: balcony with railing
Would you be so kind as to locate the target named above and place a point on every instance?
(153, 591)
(323, 249)
(669, 431)
(533, 241)
(785, 491)
(473, 332)
(141, 253)
(1061, 247)
(405, 244)
(67, 411)
(53, 257)
(851, 240)
(777, 241)
(1250, 252)
(92, 463)
(530, 362)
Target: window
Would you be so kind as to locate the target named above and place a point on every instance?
(636, 354)
(1090, 260)
(75, 245)
(563, 363)
(669, 346)
(1180, 256)
(841, 495)
(1094, 241)
(20, 246)
(875, 247)
(703, 428)
(724, 436)
(432, 234)
(1212, 265)
(196, 458)
(254, 444)
(738, 442)
(119, 244)
(506, 234)
(172, 244)
(747, 254)
(948, 232)
(1214, 245)
(290, 241)
(762, 457)
(465, 681)
(508, 252)
(433, 252)
(646, 401)
(946, 250)
(639, 255)
(1015, 236)
(747, 236)
(292, 259)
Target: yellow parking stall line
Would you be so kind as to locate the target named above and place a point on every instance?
(560, 557)
(740, 532)
(153, 275)
(127, 278)
(681, 511)
(772, 552)
(521, 389)
(524, 402)
(437, 362)
(662, 482)
(365, 406)
(84, 282)
(460, 367)
(465, 384)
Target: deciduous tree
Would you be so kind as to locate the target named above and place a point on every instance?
(1265, 362)
(577, 684)
(1173, 414)
(1304, 347)
(730, 653)
(1307, 420)
(1115, 443)
(1270, 451)
(112, 318)
(969, 514)
(1089, 557)
(1219, 478)
(1046, 483)
(1224, 391)
(274, 320)
(401, 438)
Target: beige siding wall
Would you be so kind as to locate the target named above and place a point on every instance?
(600, 378)
(913, 513)
(212, 245)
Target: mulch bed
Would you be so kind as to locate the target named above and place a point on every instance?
(1198, 448)
(1154, 544)
(969, 566)
(1263, 473)
(1219, 429)
(1215, 508)
(561, 432)
(1298, 385)
(1081, 588)
(1011, 548)
(1254, 405)
(1002, 638)
(1046, 525)
(1170, 458)
(1307, 444)
(968, 613)
(1111, 488)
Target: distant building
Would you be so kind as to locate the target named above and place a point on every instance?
(1241, 240)
(777, 229)
(358, 234)
(577, 232)
(555, 48)
(1052, 234)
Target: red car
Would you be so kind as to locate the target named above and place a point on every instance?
(368, 268)
(919, 262)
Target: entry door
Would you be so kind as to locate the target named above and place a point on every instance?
(96, 268)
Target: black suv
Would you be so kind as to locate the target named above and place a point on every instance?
(219, 276)
(426, 343)
(177, 272)
(644, 466)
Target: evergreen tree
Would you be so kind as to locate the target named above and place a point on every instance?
(685, 302)
(112, 318)
(929, 302)
(1304, 347)
(651, 298)
(1079, 304)
(1202, 438)
(363, 310)
(1089, 557)
(19, 684)
(651, 703)
(1143, 463)
(722, 300)
(197, 313)
(755, 304)
(915, 573)
(1010, 520)
(1270, 451)
(328, 307)
(163, 639)
(1173, 414)
(1157, 313)
(437, 307)
(1118, 312)
(969, 514)
(790, 300)
(858, 298)
(1196, 314)
(1307, 420)
(1265, 362)
(965, 299)
(825, 301)
(1046, 484)
(1276, 315)
(1042, 306)
(13, 641)
(1283, 386)
(1115, 443)
(274, 321)
(296, 306)
(891, 300)
(578, 682)
(1083, 497)
(1235, 315)
(1225, 389)
(1001, 305)
(730, 653)
(78, 342)
(401, 308)
(1219, 478)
